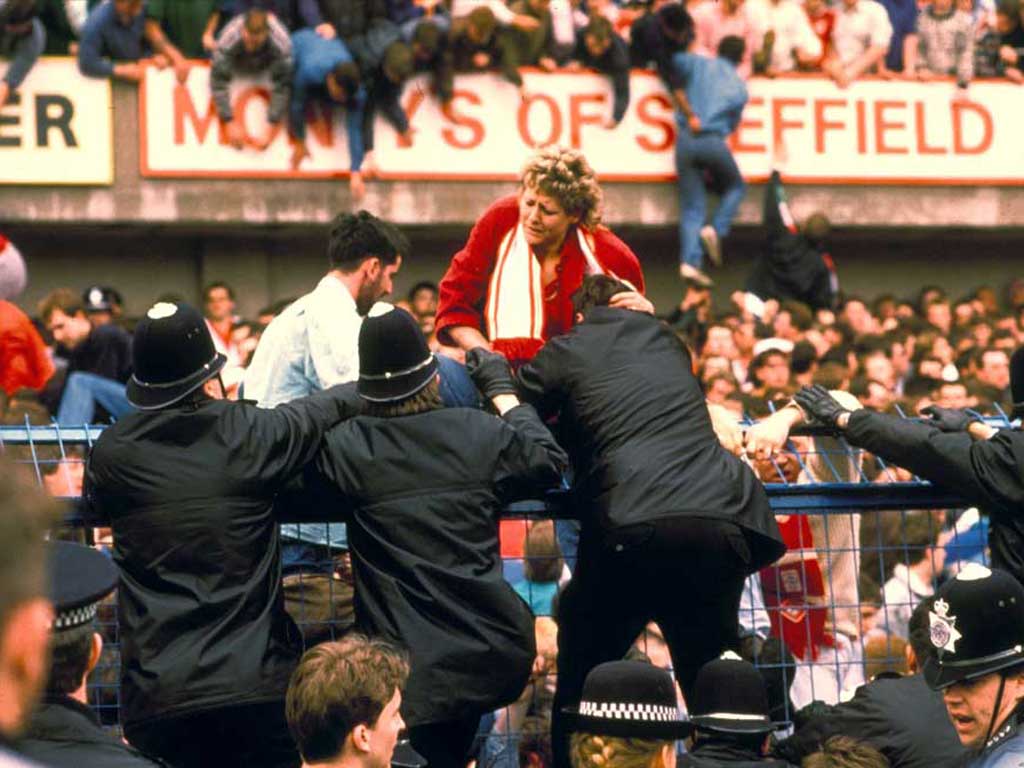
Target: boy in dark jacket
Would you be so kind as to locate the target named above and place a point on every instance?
(672, 524)
(426, 485)
(598, 47)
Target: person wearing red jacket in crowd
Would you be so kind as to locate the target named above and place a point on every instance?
(509, 289)
(24, 362)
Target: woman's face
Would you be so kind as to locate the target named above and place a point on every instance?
(544, 220)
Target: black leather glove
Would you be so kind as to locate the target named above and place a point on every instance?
(490, 372)
(817, 402)
(949, 419)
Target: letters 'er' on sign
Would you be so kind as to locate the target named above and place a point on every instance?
(872, 132)
(57, 128)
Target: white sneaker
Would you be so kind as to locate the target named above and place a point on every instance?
(688, 272)
(709, 239)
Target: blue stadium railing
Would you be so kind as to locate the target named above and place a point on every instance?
(43, 447)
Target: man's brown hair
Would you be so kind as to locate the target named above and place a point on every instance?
(64, 299)
(596, 291)
(336, 687)
(844, 752)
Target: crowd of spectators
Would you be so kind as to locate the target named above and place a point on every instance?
(357, 54)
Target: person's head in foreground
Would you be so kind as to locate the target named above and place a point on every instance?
(627, 718)
(844, 752)
(343, 702)
(730, 704)
(976, 627)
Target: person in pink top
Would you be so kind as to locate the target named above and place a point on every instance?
(714, 20)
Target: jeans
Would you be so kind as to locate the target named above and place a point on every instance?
(695, 155)
(83, 392)
(457, 389)
(23, 51)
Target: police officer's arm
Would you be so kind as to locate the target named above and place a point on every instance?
(983, 471)
(287, 437)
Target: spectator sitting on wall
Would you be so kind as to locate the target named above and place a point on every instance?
(789, 39)
(599, 47)
(63, 21)
(409, 14)
(529, 48)
(860, 40)
(945, 44)
(186, 23)
(293, 15)
(1000, 51)
(387, 65)
(823, 19)
(431, 52)
(250, 44)
(99, 359)
(656, 37)
(344, 704)
(474, 41)
(116, 38)
(903, 16)
(326, 72)
(22, 40)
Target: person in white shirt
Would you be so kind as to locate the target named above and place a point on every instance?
(912, 581)
(860, 40)
(789, 39)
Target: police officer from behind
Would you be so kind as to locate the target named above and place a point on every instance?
(672, 524)
(977, 628)
(954, 450)
(730, 714)
(427, 485)
(187, 485)
(64, 732)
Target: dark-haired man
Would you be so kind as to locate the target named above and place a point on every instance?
(64, 732)
(649, 473)
(325, 71)
(310, 346)
(656, 37)
(709, 109)
(343, 703)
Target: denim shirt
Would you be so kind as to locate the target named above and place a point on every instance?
(312, 345)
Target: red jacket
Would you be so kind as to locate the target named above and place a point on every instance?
(23, 358)
(463, 290)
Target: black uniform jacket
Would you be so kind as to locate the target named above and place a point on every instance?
(426, 493)
(901, 717)
(989, 473)
(65, 733)
(188, 492)
(636, 425)
(720, 753)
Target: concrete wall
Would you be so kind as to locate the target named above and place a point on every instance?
(133, 199)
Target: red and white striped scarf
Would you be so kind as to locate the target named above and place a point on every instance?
(515, 299)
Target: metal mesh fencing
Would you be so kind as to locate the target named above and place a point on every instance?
(867, 541)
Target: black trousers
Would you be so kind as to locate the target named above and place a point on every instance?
(445, 744)
(247, 736)
(686, 574)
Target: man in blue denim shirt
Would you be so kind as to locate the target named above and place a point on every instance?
(311, 346)
(708, 113)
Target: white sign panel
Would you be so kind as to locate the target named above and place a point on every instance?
(872, 132)
(57, 128)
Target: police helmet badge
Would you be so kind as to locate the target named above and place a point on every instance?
(943, 631)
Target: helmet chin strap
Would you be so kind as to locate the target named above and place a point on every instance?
(995, 710)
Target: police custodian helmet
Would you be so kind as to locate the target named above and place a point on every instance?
(976, 626)
(173, 355)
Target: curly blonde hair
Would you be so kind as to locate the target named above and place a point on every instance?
(565, 175)
(587, 750)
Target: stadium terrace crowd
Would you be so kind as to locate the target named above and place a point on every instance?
(852, 639)
(357, 54)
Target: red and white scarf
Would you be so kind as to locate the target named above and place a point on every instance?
(515, 299)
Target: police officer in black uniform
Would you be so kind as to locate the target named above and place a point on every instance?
(188, 484)
(730, 714)
(900, 716)
(426, 485)
(672, 524)
(982, 464)
(64, 732)
(976, 626)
